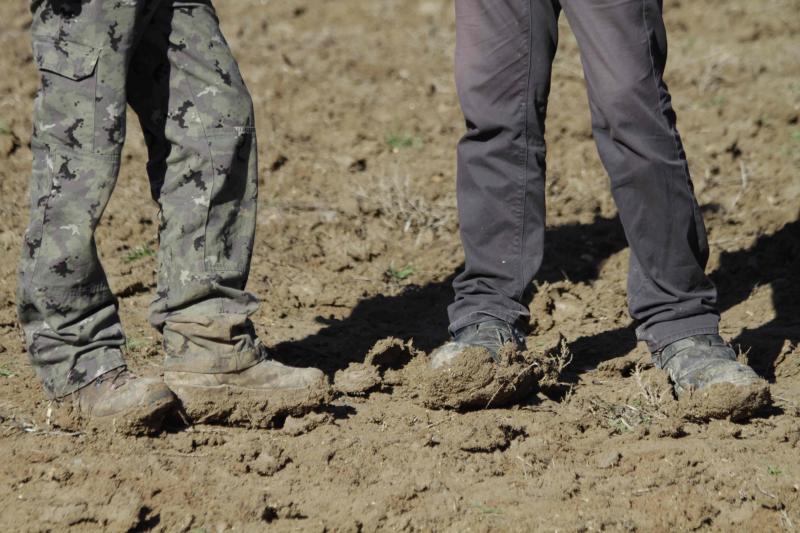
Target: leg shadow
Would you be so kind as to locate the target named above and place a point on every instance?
(774, 261)
(575, 252)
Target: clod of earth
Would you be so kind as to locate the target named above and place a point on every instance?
(724, 400)
(385, 358)
(254, 409)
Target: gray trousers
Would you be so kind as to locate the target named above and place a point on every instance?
(504, 55)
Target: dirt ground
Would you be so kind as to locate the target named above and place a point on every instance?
(358, 242)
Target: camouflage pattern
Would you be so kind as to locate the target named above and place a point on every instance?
(170, 62)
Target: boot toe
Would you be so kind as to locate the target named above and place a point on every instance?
(141, 395)
(716, 372)
(446, 353)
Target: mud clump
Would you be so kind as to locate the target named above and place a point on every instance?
(391, 354)
(251, 408)
(358, 379)
(724, 401)
(382, 367)
(474, 380)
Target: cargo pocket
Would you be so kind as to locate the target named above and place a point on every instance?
(65, 107)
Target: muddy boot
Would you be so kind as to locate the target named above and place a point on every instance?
(119, 398)
(710, 382)
(262, 395)
(701, 361)
(490, 334)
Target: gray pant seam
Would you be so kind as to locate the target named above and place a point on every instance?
(521, 247)
(673, 134)
(660, 107)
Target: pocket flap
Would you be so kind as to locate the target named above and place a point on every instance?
(71, 60)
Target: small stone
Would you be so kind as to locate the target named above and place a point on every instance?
(269, 463)
(608, 459)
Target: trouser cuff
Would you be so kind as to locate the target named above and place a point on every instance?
(60, 379)
(482, 316)
(658, 336)
(211, 345)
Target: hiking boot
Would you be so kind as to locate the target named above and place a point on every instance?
(700, 361)
(490, 334)
(259, 396)
(267, 375)
(121, 397)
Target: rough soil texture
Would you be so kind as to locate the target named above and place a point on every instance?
(358, 243)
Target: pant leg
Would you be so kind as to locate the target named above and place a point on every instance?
(624, 50)
(65, 306)
(198, 120)
(504, 53)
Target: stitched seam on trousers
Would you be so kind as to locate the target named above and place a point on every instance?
(661, 110)
(521, 248)
(674, 135)
(656, 88)
(113, 157)
(36, 262)
(86, 290)
(657, 91)
(211, 162)
(96, 76)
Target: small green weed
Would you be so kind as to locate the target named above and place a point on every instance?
(774, 471)
(400, 274)
(399, 142)
(139, 252)
(5, 372)
(134, 343)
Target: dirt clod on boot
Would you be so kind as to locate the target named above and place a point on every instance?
(474, 380)
(724, 401)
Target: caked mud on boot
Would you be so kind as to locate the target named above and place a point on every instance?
(261, 396)
(484, 366)
(116, 401)
(710, 382)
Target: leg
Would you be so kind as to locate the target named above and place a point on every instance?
(65, 306)
(504, 52)
(198, 120)
(624, 51)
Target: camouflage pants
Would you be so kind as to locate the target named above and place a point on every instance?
(169, 61)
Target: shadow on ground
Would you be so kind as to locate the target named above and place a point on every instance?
(420, 312)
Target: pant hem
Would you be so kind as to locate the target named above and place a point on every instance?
(212, 363)
(94, 366)
(482, 316)
(661, 335)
